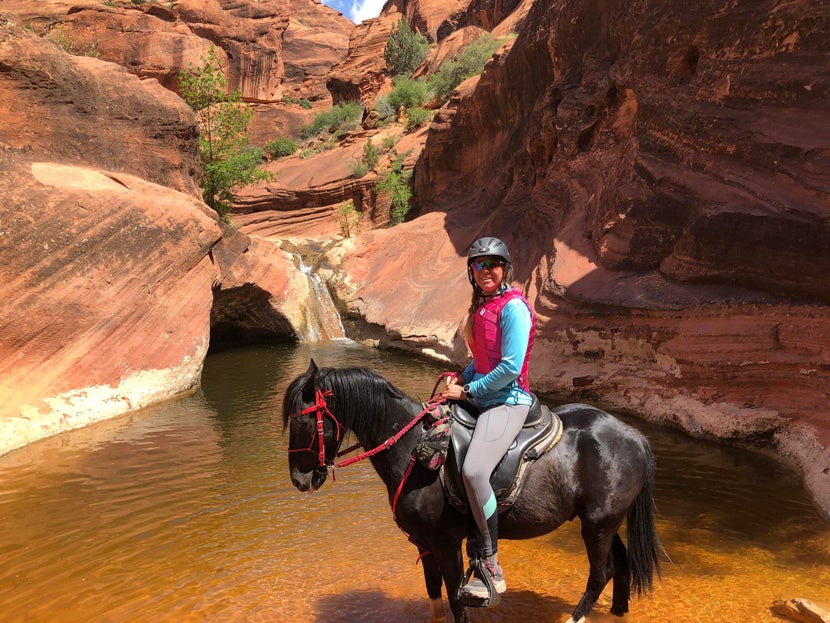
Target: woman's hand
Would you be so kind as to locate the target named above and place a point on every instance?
(453, 391)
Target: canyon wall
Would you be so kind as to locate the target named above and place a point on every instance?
(660, 174)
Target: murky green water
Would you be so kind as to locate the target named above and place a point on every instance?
(184, 512)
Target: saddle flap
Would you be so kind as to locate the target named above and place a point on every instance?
(540, 432)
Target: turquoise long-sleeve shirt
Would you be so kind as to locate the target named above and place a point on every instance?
(500, 385)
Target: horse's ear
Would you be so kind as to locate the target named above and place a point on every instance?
(312, 381)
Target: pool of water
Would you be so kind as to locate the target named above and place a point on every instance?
(184, 512)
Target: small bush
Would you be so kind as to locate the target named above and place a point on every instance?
(407, 93)
(383, 108)
(396, 183)
(301, 102)
(388, 143)
(416, 117)
(281, 147)
(359, 168)
(343, 117)
(370, 155)
(405, 49)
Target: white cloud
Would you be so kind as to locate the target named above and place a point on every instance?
(365, 9)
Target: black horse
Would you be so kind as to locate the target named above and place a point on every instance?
(601, 471)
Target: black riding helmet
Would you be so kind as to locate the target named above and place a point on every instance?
(486, 247)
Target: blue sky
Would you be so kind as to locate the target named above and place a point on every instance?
(356, 10)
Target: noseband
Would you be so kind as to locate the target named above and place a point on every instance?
(321, 409)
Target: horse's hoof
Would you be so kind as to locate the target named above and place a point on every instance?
(571, 620)
(436, 611)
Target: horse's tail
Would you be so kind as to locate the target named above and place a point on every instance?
(643, 544)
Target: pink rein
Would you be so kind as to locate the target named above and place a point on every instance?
(321, 409)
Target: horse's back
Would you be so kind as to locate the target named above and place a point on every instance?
(588, 420)
(611, 459)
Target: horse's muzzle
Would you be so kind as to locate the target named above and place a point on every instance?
(308, 481)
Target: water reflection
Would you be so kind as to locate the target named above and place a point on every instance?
(184, 512)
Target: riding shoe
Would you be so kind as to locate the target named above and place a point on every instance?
(476, 586)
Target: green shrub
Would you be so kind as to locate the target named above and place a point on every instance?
(469, 62)
(359, 168)
(67, 43)
(407, 92)
(370, 155)
(345, 116)
(301, 102)
(383, 108)
(350, 218)
(281, 147)
(397, 183)
(416, 117)
(405, 49)
(388, 143)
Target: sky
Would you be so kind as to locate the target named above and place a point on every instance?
(356, 10)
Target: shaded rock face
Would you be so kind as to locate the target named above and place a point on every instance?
(683, 163)
(660, 173)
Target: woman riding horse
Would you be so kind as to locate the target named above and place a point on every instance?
(500, 329)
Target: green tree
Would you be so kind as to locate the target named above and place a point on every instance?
(229, 160)
(350, 219)
(405, 49)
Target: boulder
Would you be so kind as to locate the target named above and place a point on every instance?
(800, 610)
(107, 295)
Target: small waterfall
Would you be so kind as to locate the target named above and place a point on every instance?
(324, 320)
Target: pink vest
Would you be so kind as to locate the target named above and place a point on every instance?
(486, 346)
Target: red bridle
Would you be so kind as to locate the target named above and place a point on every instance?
(321, 409)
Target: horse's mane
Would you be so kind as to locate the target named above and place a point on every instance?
(358, 394)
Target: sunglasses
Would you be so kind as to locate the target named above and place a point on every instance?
(479, 265)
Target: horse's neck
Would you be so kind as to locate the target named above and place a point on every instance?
(374, 429)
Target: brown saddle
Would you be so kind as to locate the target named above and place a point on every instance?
(540, 432)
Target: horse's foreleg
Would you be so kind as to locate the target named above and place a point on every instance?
(451, 563)
(622, 577)
(434, 582)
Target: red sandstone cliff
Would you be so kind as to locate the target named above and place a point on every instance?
(115, 275)
(660, 172)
